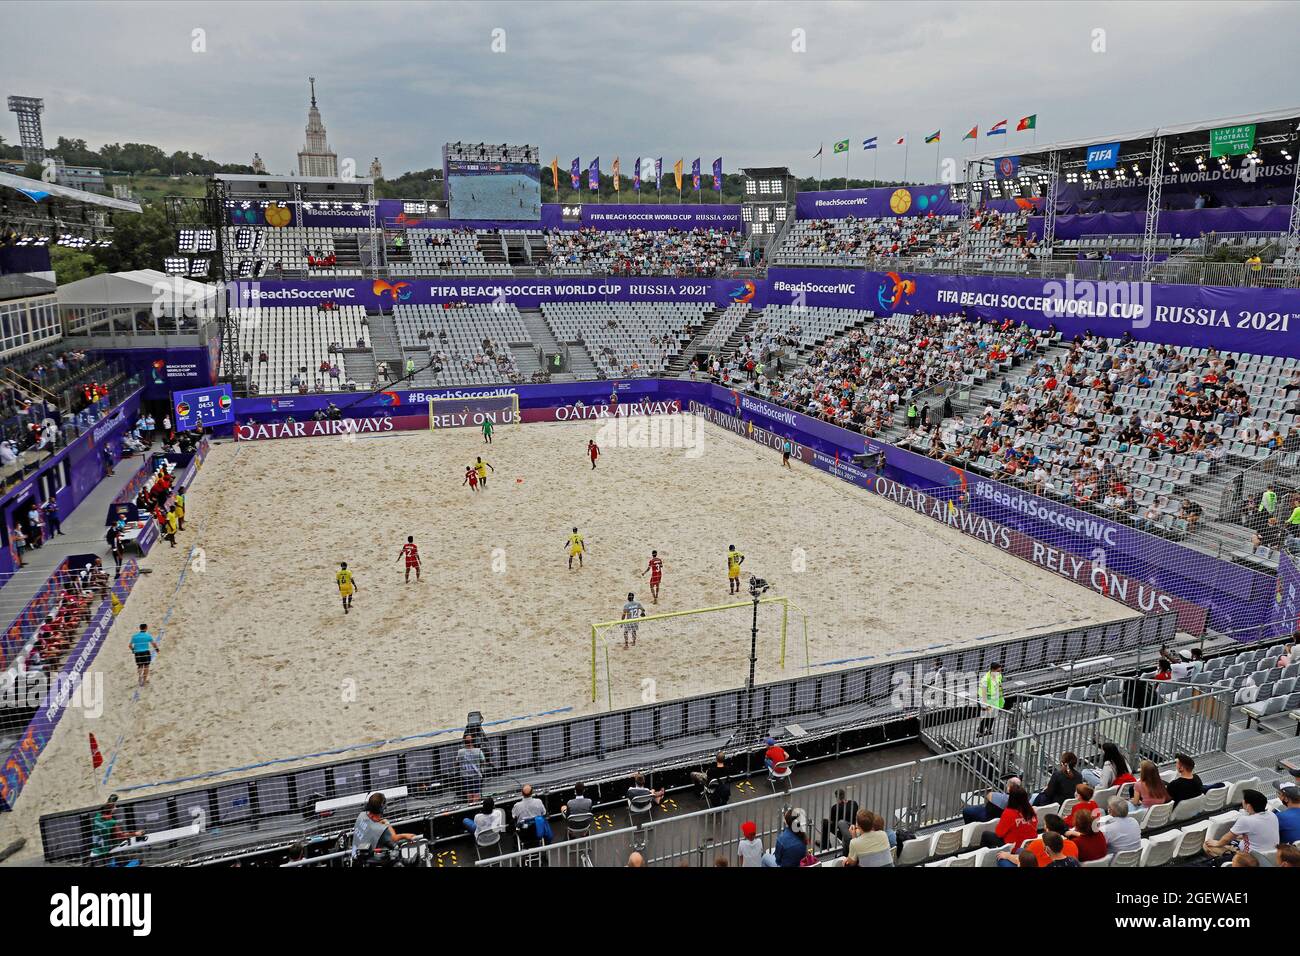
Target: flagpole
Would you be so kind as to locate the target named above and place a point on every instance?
(907, 144)
(847, 154)
(821, 159)
(875, 168)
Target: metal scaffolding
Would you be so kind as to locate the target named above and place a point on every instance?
(1155, 186)
(30, 136)
(1049, 201)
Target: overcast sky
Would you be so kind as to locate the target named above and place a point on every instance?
(398, 80)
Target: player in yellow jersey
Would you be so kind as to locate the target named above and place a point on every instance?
(481, 467)
(576, 548)
(734, 560)
(347, 586)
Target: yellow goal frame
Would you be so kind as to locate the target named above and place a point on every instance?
(599, 628)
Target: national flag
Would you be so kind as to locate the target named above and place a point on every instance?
(695, 174)
(96, 758)
(593, 175)
(842, 146)
(636, 175)
(997, 129)
(869, 143)
(717, 175)
(575, 173)
(973, 134)
(900, 141)
(1027, 122)
(659, 171)
(818, 153)
(616, 181)
(933, 137)
(555, 175)
(677, 174)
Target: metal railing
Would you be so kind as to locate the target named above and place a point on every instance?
(911, 796)
(1175, 718)
(1281, 470)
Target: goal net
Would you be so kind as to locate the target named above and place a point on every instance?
(473, 410)
(684, 653)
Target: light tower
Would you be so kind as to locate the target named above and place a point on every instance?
(29, 109)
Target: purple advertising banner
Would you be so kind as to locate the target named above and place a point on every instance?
(524, 292)
(63, 691)
(1265, 321)
(889, 201)
(591, 215)
(1284, 614)
(656, 217)
(1224, 187)
(164, 371)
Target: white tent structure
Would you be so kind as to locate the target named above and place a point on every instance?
(141, 302)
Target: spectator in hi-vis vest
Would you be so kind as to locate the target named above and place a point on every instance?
(991, 699)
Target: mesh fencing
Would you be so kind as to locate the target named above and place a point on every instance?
(300, 804)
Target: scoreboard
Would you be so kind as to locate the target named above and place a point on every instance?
(203, 406)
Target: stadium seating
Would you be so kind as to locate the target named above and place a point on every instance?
(1066, 424)
(625, 339)
(861, 378)
(252, 251)
(641, 252)
(471, 344)
(296, 341)
(435, 252)
(826, 242)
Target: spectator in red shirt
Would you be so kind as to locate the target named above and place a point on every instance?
(1084, 792)
(1018, 822)
(1090, 844)
(775, 754)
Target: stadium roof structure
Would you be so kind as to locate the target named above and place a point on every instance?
(1268, 124)
(135, 288)
(37, 191)
(1042, 169)
(288, 188)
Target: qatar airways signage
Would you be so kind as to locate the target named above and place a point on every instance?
(1087, 573)
(346, 427)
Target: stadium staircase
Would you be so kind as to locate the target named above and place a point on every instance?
(385, 345)
(581, 367)
(675, 367)
(347, 251)
(516, 249)
(492, 245)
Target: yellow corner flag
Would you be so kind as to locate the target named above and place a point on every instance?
(117, 605)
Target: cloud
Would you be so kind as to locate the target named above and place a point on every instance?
(398, 80)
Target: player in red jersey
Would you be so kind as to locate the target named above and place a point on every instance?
(593, 451)
(412, 555)
(656, 569)
(471, 479)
